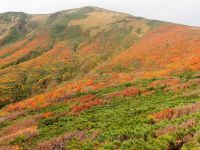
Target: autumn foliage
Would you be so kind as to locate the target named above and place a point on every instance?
(59, 142)
(172, 113)
(47, 115)
(85, 106)
(166, 49)
(131, 91)
(173, 128)
(138, 77)
(26, 128)
(84, 103)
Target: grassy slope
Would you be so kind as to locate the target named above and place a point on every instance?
(121, 122)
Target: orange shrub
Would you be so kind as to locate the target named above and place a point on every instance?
(84, 106)
(131, 91)
(172, 113)
(47, 115)
(165, 114)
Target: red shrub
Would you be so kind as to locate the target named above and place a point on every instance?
(85, 106)
(172, 113)
(131, 91)
(47, 115)
(165, 114)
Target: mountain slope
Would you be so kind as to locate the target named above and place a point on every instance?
(166, 49)
(89, 36)
(90, 78)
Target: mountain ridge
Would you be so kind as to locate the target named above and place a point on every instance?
(93, 7)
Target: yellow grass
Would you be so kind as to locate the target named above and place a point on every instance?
(99, 20)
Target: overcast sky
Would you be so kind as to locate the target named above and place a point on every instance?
(178, 11)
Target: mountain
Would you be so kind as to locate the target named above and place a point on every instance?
(97, 79)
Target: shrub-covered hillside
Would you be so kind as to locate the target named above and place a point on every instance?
(155, 113)
(90, 78)
(59, 47)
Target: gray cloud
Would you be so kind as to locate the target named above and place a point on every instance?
(178, 11)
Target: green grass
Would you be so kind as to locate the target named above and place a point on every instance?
(124, 120)
(61, 31)
(9, 16)
(186, 76)
(13, 36)
(122, 123)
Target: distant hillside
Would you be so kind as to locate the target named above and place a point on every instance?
(56, 67)
(47, 50)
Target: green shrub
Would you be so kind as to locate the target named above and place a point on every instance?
(19, 140)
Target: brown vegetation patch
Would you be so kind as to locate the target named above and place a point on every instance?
(27, 128)
(192, 93)
(166, 82)
(172, 113)
(182, 86)
(178, 144)
(173, 128)
(11, 116)
(9, 147)
(59, 142)
(147, 92)
(94, 135)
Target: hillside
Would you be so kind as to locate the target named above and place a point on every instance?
(98, 79)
